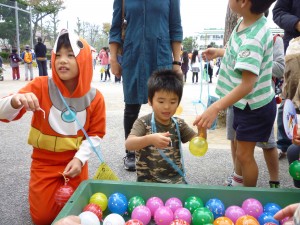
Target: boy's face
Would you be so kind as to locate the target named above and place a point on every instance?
(164, 105)
(66, 65)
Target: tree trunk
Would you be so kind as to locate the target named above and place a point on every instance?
(230, 22)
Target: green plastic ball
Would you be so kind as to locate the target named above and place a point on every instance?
(294, 170)
(192, 203)
(134, 202)
(202, 216)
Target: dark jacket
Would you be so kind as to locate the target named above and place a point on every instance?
(286, 14)
(40, 50)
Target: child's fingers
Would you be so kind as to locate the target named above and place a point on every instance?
(286, 212)
(30, 102)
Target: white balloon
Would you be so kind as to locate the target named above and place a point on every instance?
(114, 219)
(89, 218)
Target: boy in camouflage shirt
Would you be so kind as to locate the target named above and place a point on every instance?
(160, 131)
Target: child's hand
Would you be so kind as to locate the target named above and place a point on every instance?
(296, 140)
(206, 119)
(161, 140)
(209, 54)
(287, 212)
(73, 168)
(28, 100)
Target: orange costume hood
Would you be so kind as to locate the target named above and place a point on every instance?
(83, 54)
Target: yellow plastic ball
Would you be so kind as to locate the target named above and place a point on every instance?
(100, 199)
(198, 146)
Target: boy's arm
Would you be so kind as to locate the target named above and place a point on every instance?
(206, 119)
(159, 140)
(212, 53)
(7, 111)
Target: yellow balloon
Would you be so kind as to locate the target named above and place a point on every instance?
(100, 199)
(198, 146)
(179, 110)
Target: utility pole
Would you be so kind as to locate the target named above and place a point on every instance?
(17, 22)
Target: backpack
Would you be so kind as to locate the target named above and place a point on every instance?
(28, 57)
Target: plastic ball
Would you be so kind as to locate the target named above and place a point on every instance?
(99, 199)
(153, 204)
(192, 203)
(163, 216)
(272, 208)
(114, 219)
(223, 220)
(94, 208)
(216, 206)
(198, 146)
(202, 216)
(117, 203)
(294, 170)
(247, 220)
(183, 214)
(234, 212)
(179, 222)
(141, 213)
(252, 207)
(267, 217)
(62, 194)
(134, 202)
(134, 222)
(174, 204)
(89, 218)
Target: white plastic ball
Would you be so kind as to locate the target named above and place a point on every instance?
(89, 218)
(114, 219)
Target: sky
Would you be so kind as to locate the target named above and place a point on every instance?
(195, 14)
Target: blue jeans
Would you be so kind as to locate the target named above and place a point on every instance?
(42, 65)
(283, 142)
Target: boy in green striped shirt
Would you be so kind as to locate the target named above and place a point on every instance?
(245, 81)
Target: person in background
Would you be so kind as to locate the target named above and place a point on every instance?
(185, 64)
(59, 144)
(152, 42)
(245, 85)
(159, 130)
(209, 67)
(286, 14)
(28, 56)
(195, 65)
(14, 60)
(40, 51)
(103, 56)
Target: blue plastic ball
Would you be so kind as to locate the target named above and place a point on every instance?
(117, 203)
(267, 217)
(272, 208)
(216, 206)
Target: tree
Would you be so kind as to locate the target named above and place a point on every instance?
(190, 43)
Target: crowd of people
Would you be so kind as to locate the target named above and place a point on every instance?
(153, 70)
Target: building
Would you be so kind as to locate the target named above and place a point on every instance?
(216, 36)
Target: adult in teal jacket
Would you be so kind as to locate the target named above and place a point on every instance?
(152, 41)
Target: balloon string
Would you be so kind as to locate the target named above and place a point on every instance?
(65, 178)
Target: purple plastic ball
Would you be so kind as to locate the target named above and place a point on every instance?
(153, 204)
(234, 212)
(183, 214)
(252, 207)
(141, 213)
(173, 204)
(163, 216)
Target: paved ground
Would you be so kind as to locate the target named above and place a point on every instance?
(15, 154)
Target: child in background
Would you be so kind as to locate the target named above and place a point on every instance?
(59, 145)
(245, 81)
(14, 60)
(160, 130)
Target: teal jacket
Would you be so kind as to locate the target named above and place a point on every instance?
(151, 28)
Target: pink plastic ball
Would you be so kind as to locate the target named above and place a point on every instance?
(153, 204)
(173, 204)
(141, 213)
(163, 216)
(183, 214)
(252, 207)
(234, 212)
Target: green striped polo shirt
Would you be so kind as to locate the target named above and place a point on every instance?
(250, 49)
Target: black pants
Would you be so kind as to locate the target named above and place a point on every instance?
(131, 113)
(195, 74)
(42, 65)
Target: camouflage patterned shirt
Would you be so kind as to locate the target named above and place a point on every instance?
(150, 165)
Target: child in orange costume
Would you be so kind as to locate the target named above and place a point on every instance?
(58, 143)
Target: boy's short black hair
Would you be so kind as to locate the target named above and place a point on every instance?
(260, 6)
(165, 80)
(63, 41)
(14, 50)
